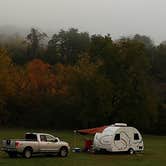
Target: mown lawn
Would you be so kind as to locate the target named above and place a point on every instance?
(154, 154)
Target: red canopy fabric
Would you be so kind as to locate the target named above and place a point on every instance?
(92, 130)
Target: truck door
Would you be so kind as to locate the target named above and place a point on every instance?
(53, 143)
(43, 144)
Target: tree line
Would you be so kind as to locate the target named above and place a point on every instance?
(77, 80)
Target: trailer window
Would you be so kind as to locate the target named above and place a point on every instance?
(136, 136)
(117, 137)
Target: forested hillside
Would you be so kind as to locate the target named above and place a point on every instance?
(77, 81)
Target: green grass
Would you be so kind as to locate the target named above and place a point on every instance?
(154, 154)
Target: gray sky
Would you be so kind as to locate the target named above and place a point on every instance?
(117, 17)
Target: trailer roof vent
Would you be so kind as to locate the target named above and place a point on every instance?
(120, 124)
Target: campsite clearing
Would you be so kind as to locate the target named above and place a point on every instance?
(154, 154)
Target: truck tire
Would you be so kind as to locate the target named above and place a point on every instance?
(63, 152)
(131, 151)
(27, 153)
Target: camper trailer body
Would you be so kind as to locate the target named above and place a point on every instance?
(119, 138)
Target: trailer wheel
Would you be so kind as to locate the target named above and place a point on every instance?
(96, 151)
(131, 151)
(27, 153)
(63, 152)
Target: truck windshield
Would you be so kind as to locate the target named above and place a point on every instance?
(32, 137)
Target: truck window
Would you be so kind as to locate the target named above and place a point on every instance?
(43, 138)
(117, 137)
(136, 136)
(50, 138)
(32, 137)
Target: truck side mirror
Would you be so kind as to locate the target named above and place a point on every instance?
(56, 140)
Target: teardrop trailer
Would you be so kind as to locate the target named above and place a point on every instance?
(117, 138)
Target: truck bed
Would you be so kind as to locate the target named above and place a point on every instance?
(10, 144)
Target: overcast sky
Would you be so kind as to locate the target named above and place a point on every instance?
(117, 17)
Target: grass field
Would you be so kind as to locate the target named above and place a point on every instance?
(154, 154)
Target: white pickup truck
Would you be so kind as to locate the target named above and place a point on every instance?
(35, 143)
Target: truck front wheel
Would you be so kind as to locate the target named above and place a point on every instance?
(27, 153)
(63, 152)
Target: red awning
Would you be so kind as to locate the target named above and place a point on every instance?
(92, 130)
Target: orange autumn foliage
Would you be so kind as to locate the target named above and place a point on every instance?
(41, 79)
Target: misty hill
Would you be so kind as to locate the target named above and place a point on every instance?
(9, 33)
(13, 30)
